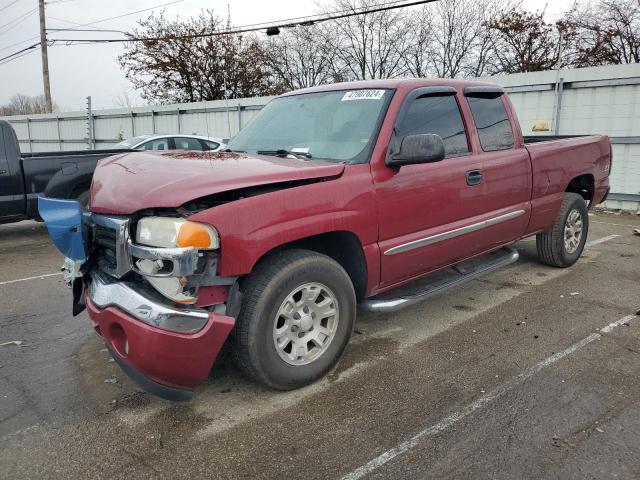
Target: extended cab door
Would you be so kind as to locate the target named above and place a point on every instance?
(505, 166)
(12, 198)
(436, 214)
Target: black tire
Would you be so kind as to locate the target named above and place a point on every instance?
(83, 199)
(551, 245)
(265, 290)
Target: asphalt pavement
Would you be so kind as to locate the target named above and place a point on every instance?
(530, 372)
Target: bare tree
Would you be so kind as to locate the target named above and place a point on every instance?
(525, 42)
(418, 54)
(123, 99)
(191, 60)
(300, 57)
(21, 104)
(185, 61)
(609, 32)
(368, 46)
(461, 42)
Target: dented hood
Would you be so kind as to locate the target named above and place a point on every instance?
(124, 184)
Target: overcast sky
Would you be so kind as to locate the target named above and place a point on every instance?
(80, 70)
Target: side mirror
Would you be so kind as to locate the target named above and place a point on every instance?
(422, 148)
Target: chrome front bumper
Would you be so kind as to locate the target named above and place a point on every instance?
(105, 292)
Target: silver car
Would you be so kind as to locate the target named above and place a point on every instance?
(172, 142)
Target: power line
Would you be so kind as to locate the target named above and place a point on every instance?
(310, 18)
(307, 18)
(14, 25)
(19, 43)
(127, 14)
(98, 30)
(78, 25)
(20, 56)
(8, 5)
(16, 21)
(30, 47)
(11, 57)
(250, 28)
(286, 23)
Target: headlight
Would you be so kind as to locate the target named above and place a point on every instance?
(167, 232)
(176, 232)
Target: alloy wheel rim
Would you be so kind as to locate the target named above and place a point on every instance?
(573, 231)
(306, 323)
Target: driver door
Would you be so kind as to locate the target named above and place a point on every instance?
(419, 206)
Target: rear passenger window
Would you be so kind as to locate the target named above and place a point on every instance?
(439, 115)
(492, 122)
(185, 143)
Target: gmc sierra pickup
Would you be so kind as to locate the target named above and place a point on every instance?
(332, 197)
(23, 177)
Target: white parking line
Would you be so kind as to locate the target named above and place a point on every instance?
(8, 282)
(478, 404)
(587, 245)
(614, 224)
(600, 240)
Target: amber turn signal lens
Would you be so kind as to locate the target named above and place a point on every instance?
(195, 235)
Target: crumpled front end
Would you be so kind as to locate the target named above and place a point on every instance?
(66, 222)
(165, 363)
(151, 290)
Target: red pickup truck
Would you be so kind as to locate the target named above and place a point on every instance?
(330, 199)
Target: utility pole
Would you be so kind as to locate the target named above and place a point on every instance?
(45, 58)
(91, 133)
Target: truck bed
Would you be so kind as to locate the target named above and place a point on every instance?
(76, 153)
(529, 139)
(556, 161)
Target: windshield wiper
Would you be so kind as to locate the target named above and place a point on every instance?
(228, 150)
(281, 152)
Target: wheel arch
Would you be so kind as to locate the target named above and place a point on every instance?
(342, 246)
(69, 186)
(583, 185)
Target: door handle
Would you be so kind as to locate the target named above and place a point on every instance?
(474, 177)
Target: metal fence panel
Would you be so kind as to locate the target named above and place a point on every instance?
(598, 100)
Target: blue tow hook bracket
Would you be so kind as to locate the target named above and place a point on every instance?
(64, 220)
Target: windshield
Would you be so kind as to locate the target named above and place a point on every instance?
(335, 125)
(131, 142)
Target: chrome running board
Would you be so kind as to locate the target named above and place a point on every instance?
(461, 275)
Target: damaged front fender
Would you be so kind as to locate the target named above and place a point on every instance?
(66, 225)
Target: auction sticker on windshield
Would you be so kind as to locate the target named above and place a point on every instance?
(363, 95)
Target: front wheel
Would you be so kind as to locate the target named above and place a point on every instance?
(563, 244)
(296, 318)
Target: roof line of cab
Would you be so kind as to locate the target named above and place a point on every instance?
(392, 83)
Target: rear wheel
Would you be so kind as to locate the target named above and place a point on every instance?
(296, 319)
(563, 244)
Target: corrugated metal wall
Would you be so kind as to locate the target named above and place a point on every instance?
(599, 100)
(69, 131)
